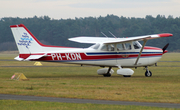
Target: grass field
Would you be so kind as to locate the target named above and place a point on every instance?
(35, 105)
(73, 81)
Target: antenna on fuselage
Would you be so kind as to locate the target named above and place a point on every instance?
(112, 34)
(104, 34)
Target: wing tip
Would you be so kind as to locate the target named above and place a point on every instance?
(165, 35)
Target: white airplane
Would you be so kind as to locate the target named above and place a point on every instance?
(106, 52)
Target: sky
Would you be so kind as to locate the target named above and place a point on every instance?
(64, 9)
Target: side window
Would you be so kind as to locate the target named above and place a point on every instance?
(120, 47)
(109, 47)
(128, 46)
(104, 48)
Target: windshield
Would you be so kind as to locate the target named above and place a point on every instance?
(95, 46)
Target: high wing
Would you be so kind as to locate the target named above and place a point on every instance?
(120, 40)
(93, 40)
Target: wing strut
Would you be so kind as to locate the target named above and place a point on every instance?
(140, 52)
(112, 34)
(104, 34)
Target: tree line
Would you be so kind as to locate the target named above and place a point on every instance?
(56, 32)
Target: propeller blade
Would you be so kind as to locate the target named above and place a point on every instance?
(165, 47)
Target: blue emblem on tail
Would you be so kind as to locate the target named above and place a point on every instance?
(25, 40)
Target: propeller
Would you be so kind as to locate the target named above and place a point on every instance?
(165, 47)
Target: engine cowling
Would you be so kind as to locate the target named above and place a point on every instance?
(104, 71)
(125, 71)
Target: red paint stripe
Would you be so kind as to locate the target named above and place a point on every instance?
(152, 48)
(135, 56)
(37, 53)
(13, 26)
(24, 56)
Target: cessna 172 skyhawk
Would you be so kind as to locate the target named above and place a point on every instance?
(106, 52)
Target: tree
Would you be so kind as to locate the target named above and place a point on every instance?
(56, 32)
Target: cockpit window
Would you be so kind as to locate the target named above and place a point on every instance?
(111, 47)
(136, 45)
(104, 48)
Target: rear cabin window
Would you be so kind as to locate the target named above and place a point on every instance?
(128, 46)
(120, 47)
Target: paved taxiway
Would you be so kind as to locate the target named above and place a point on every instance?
(69, 100)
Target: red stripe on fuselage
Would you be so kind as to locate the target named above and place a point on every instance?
(83, 56)
(152, 48)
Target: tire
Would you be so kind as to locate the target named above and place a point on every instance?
(148, 74)
(107, 75)
(127, 75)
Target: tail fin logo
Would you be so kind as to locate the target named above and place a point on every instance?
(25, 40)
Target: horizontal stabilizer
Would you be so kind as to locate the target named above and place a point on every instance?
(34, 57)
(18, 58)
(31, 57)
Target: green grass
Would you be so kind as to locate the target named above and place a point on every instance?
(35, 105)
(84, 83)
(171, 57)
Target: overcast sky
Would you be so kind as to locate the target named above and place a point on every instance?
(64, 9)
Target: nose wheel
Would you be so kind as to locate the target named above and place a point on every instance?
(148, 73)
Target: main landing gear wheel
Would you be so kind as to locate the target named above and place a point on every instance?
(107, 75)
(148, 73)
(127, 75)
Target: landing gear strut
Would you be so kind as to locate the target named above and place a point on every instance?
(148, 73)
(108, 73)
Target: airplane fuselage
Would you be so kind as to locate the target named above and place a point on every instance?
(90, 56)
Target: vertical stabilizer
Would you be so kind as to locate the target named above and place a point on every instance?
(25, 41)
(28, 45)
